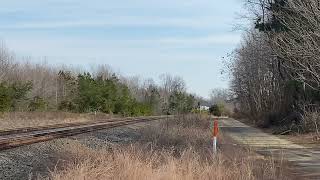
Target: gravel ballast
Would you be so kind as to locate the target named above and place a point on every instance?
(37, 160)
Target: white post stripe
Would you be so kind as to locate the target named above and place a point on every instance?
(215, 144)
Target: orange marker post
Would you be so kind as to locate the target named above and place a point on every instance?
(215, 135)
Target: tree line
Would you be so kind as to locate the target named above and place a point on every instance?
(26, 86)
(276, 69)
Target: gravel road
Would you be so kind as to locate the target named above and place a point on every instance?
(305, 161)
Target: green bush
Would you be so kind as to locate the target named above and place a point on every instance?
(108, 96)
(67, 106)
(5, 98)
(217, 109)
(37, 104)
(180, 102)
(12, 94)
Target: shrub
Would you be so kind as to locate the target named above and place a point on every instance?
(67, 106)
(37, 104)
(217, 109)
(5, 98)
(108, 96)
(12, 94)
(312, 121)
(180, 102)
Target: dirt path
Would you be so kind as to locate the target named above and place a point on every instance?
(306, 161)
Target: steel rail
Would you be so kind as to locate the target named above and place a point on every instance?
(29, 129)
(18, 137)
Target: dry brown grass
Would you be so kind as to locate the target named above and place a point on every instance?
(134, 163)
(32, 119)
(312, 121)
(177, 150)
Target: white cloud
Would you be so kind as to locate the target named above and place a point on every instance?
(47, 46)
(224, 39)
(126, 21)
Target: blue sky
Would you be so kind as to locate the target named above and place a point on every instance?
(136, 37)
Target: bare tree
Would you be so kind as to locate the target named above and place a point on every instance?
(7, 63)
(171, 83)
(256, 79)
(219, 95)
(299, 44)
(102, 71)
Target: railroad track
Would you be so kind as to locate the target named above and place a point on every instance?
(23, 136)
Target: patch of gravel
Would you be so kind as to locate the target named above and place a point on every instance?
(36, 160)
